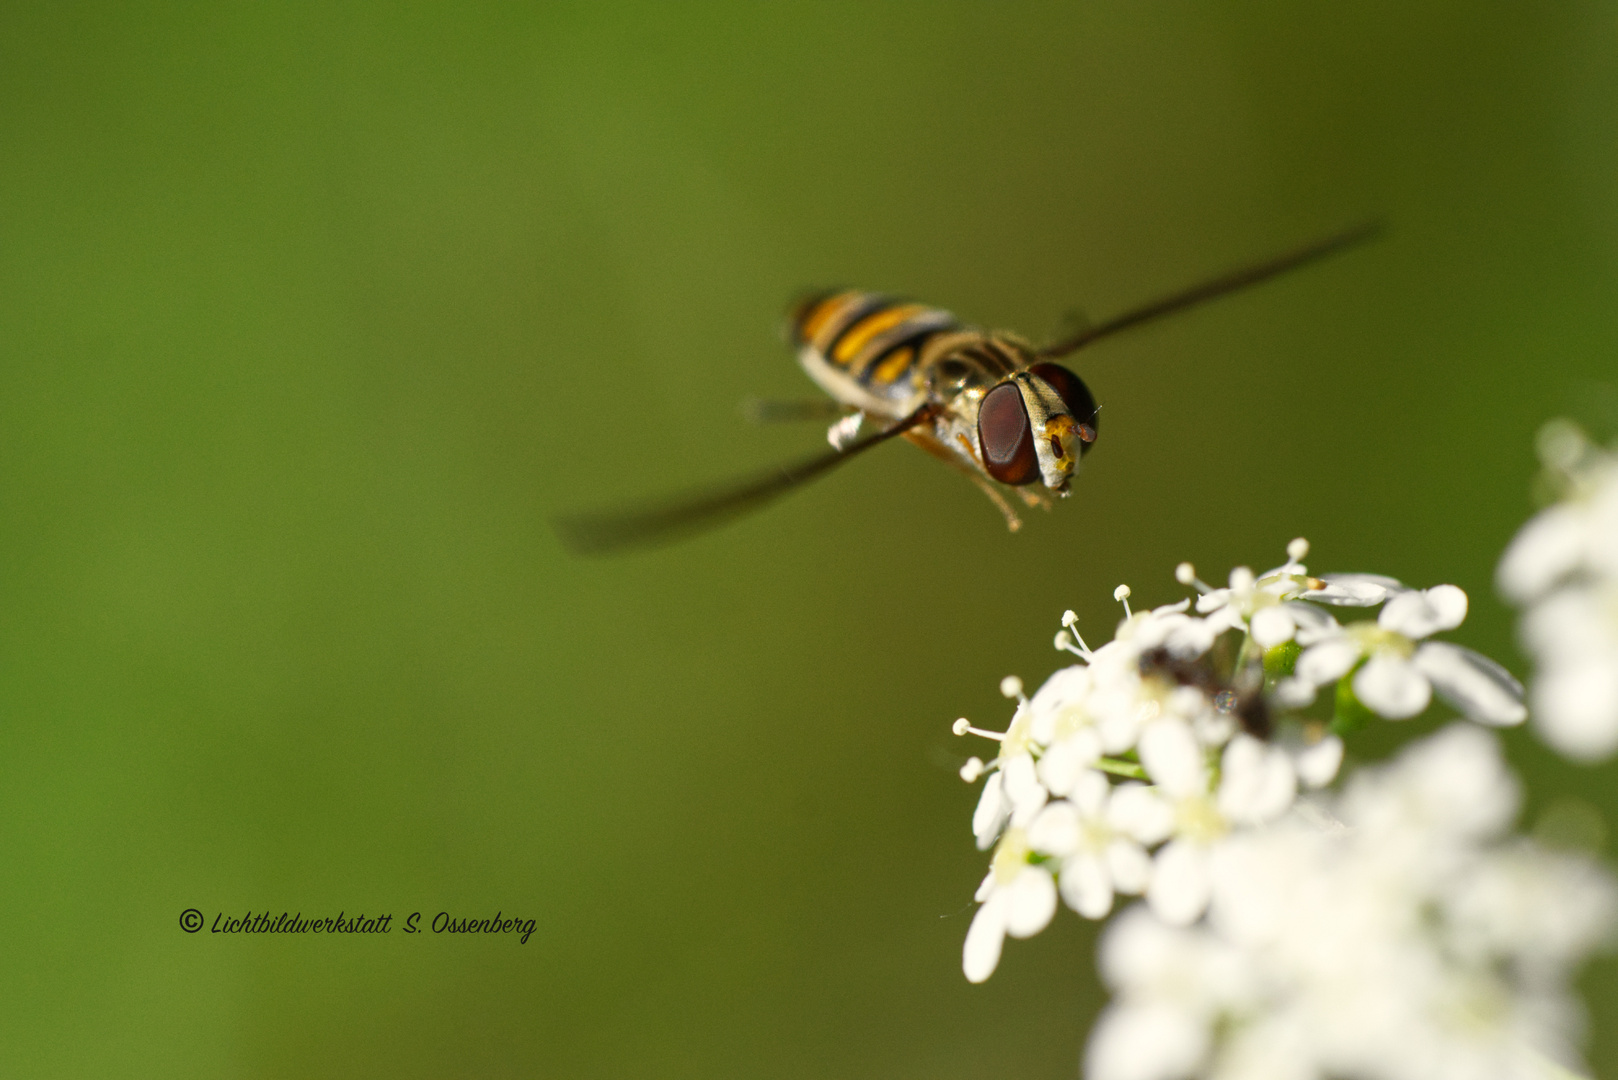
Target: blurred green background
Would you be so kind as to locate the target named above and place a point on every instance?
(311, 317)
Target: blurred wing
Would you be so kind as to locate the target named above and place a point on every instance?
(659, 523)
(768, 411)
(1208, 290)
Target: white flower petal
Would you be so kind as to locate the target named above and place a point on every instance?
(1030, 902)
(1328, 661)
(1318, 764)
(1257, 782)
(984, 938)
(1354, 590)
(1086, 885)
(1213, 728)
(1068, 760)
(1416, 614)
(1172, 758)
(1145, 1042)
(1551, 905)
(1023, 788)
(1245, 754)
(1091, 792)
(1601, 534)
(993, 811)
(1130, 867)
(1544, 551)
(1063, 693)
(1140, 812)
(1576, 708)
(1278, 1047)
(1181, 882)
(1086, 745)
(1392, 687)
(1056, 830)
(985, 888)
(1449, 603)
(1119, 730)
(1312, 623)
(1188, 638)
(1294, 693)
(1272, 625)
(1570, 622)
(1455, 781)
(1185, 701)
(1473, 683)
(1136, 950)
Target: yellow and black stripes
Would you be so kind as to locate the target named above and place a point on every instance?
(871, 339)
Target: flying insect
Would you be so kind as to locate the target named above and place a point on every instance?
(990, 403)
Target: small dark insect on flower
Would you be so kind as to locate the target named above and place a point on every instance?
(1239, 693)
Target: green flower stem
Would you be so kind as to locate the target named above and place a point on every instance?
(1242, 654)
(1121, 768)
(1350, 715)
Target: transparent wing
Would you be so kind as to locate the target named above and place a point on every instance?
(769, 411)
(1208, 290)
(662, 522)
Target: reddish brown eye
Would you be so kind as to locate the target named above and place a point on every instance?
(1081, 404)
(1005, 437)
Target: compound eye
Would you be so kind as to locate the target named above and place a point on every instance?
(1081, 404)
(1005, 437)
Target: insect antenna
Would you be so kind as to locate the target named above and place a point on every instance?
(1209, 290)
(658, 523)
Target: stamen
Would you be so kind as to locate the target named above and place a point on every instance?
(1298, 549)
(1186, 574)
(1121, 594)
(1064, 642)
(1011, 687)
(963, 726)
(1560, 444)
(972, 769)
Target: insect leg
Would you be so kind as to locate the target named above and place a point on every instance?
(1013, 522)
(928, 442)
(1034, 497)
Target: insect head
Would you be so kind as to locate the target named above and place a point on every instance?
(1035, 426)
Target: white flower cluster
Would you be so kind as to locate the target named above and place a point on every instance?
(1563, 566)
(1128, 772)
(1396, 932)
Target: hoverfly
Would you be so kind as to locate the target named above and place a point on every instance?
(989, 403)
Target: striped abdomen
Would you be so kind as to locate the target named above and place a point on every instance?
(864, 347)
